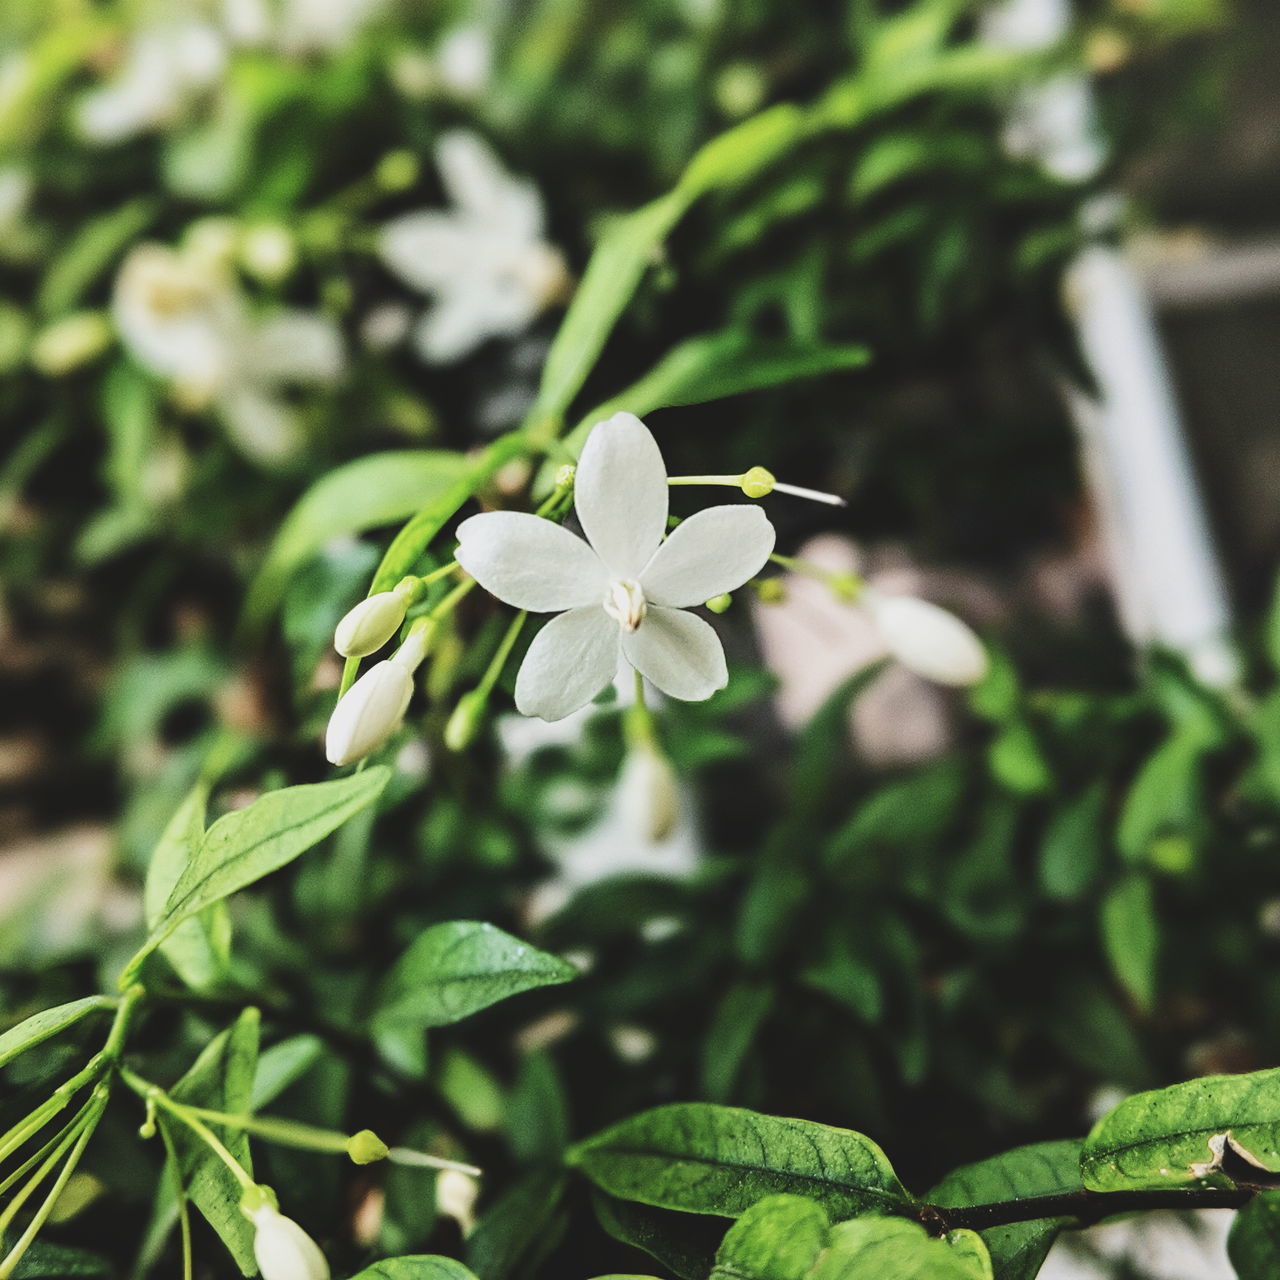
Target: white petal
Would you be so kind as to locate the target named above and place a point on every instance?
(714, 551)
(454, 327)
(530, 562)
(368, 713)
(621, 493)
(678, 652)
(284, 1251)
(570, 660)
(428, 251)
(294, 346)
(266, 429)
(927, 639)
(483, 190)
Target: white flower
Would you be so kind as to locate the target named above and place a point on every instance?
(625, 589)
(927, 639)
(164, 67)
(649, 794)
(283, 1250)
(183, 318)
(484, 263)
(456, 1195)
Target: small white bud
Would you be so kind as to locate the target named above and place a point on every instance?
(649, 794)
(283, 1250)
(69, 343)
(927, 639)
(369, 712)
(456, 1195)
(268, 252)
(367, 627)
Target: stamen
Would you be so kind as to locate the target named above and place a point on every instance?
(624, 602)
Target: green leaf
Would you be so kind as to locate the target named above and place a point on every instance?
(198, 948)
(381, 489)
(220, 1079)
(743, 151)
(48, 1022)
(714, 366)
(1042, 1169)
(516, 1225)
(779, 1238)
(682, 1242)
(282, 1065)
(93, 249)
(1131, 938)
(1198, 1132)
(704, 1158)
(733, 1030)
(896, 1249)
(242, 847)
(456, 969)
(45, 1261)
(612, 276)
(422, 1266)
(1166, 796)
(1074, 843)
(1254, 1243)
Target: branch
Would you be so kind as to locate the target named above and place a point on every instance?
(1085, 1207)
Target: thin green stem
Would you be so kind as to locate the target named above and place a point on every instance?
(846, 586)
(289, 1133)
(501, 654)
(733, 482)
(32, 1160)
(638, 725)
(153, 1093)
(180, 1192)
(85, 1127)
(450, 602)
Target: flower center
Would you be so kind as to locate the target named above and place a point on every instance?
(624, 602)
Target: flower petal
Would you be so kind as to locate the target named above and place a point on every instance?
(621, 493)
(678, 652)
(530, 562)
(483, 190)
(714, 551)
(570, 660)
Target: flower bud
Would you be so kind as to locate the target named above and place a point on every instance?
(464, 723)
(367, 627)
(757, 483)
(771, 591)
(268, 252)
(456, 1195)
(70, 343)
(649, 794)
(927, 639)
(366, 1147)
(397, 171)
(283, 1250)
(720, 603)
(368, 713)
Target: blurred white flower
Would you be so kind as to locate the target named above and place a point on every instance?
(163, 68)
(464, 58)
(283, 1250)
(183, 317)
(926, 638)
(16, 186)
(484, 263)
(323, 26)
(625, 590)
(456, 1196)
(649, 794)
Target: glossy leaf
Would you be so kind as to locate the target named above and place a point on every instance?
(703, 1158)
(896, 1249)
(1042, 1169)
(456, 969)
(1204, 1131)
(684, 1243)
(48, 1022)
(779, 1238)
(242, 847)
(516, 1225)
(422, 1266)
(381, 489)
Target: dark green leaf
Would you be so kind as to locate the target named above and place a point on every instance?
(896, 1249)
(95, 246)
(456, 969)
(1042, 1169)
(1131, 938)
(1254, 1243)
(1196, 1132)
(515, 1225)
(682, 1242)
(733, 1030)
(779, 1238)
(703, 1158)
(1073, 847)
(422, 1266)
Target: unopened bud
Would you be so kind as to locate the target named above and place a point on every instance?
(366, 1147)
(465, 721)
(368, 713)
(649, 794)
(757, 483)
(770, 591)
(927, 639)
(456, 1195)
(268, 252)
(70, 343)
(397, 171)
(367, 627)
(720, 603)
(283, 1250)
